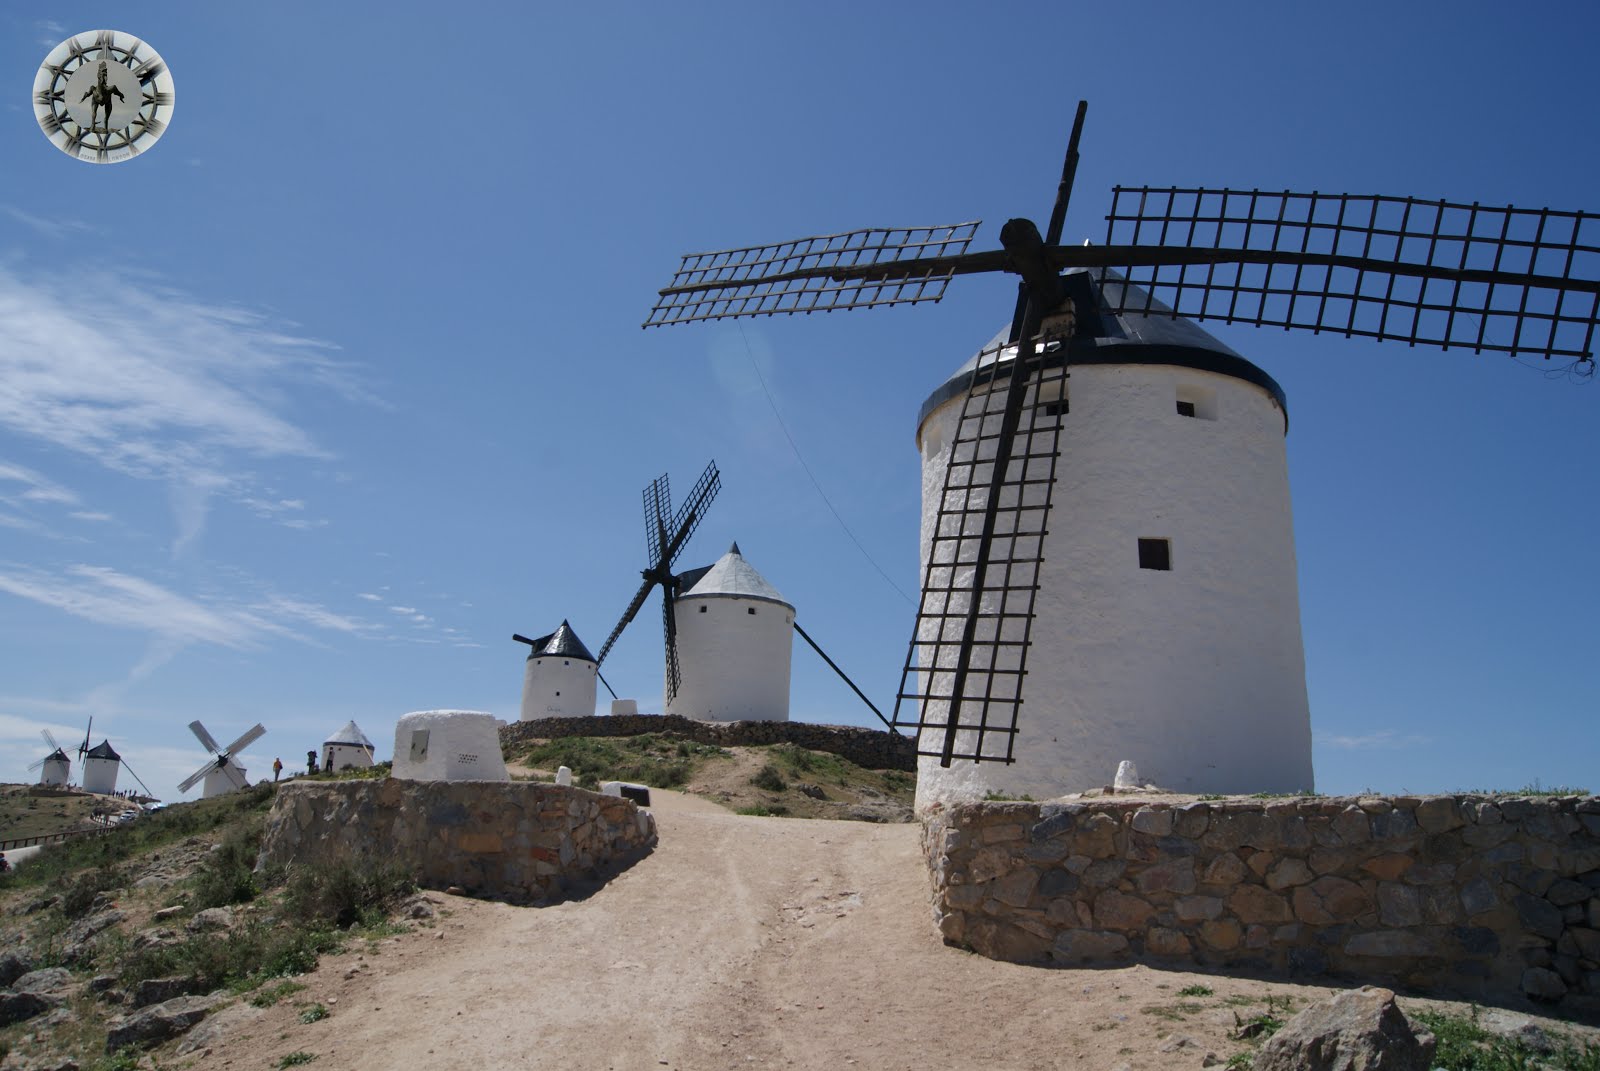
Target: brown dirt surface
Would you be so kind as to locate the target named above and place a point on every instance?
(740, 942)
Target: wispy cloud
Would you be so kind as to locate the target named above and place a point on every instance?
(50, 228)
(369, 596)
(92, 516)
(108, 597)
(35, 487)
(157, 384)
(1381, 739)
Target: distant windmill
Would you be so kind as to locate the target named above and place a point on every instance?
(56, 767)
(222, 772)
(1162, 608)
(665, 534)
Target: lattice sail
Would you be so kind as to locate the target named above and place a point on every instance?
(817, 274)
(962, 686)
(1507, 280)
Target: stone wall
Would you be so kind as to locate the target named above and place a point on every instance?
(519, 841)
(872, 748)
(1473, 896)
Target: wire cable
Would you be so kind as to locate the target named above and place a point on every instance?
(749, 353)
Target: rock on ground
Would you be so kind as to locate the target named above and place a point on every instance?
(1357, 1030)
(160, 1021)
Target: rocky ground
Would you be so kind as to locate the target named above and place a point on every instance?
(740, 942)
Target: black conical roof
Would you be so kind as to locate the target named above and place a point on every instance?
(57, 756)
(562, 643)
(103, 750)
(1153, 335)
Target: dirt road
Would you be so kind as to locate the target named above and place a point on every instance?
(739, 943)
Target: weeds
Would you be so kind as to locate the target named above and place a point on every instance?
(270, 995)
(227, 875)
(764, 810)
(654, 759)
(1195, 991)
(315, 1013)
(1463, 1045)
(295, 1059)
(769, 778)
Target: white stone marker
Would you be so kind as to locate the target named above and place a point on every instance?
(1127, 775)
(564, 776)
(448, 745)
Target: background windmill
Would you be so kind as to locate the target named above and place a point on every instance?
(1444, 273)
(666, 533)
(56, 767)
(222, 772)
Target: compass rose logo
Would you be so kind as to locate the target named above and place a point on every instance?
(103, 96)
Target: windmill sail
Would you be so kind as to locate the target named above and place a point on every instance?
(1459, 276)
(823, 273)
(965, 668)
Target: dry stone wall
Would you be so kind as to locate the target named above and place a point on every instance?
(518, 841)
(1479, 897)
(871, 748)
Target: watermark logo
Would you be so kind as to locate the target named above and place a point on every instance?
(103, 96)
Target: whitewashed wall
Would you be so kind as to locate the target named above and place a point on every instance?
(733, 664)
(557, 687)
(54, 772)
(339, 756)
(218, 783)
(1197, 674)
(461, 745)
(100, 775)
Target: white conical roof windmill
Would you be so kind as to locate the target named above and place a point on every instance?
(223, 772)
(1154, 635)
(56, 767)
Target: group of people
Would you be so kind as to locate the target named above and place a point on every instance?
(312, 766)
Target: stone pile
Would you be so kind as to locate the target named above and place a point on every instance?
(518, 841)
(1460, 894)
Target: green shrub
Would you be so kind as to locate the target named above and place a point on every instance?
(344, 894)
(313, 1014)
(227, 875)
(769, 778)
(295, 1059)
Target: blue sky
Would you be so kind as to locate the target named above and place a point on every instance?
(303, 413)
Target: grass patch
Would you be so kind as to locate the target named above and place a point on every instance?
(1195, 991)
(227, 875)
(314, 1014)
(57, 863)
(763, 810)
(770, 778)
(296, 1059)
(1463, 1045)
(1176, 1012)
(1001, 797)
(661, 760)
(269, 995)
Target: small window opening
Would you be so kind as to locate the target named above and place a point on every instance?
(564, 662)
(558, 693)
(1155, 554)
(1185, 408)
(1059, 407)
(751, 611)
(702, 609)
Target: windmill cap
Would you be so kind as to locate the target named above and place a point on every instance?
(103, 750)
(1153, 336)
(562, 643)
(352, 735)
(731, 577)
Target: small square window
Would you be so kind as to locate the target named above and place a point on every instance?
(702, 609)
(751, 611)
(1155, 554)
(1059, 407)
(1185, 408)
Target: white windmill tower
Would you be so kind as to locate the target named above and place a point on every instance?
(735, 642)
(101, 764)
(558, 679)
(1086, 477)
(349, 747)
(223, 772)
(56, 767)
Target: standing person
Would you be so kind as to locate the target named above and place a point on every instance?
(277, 768)
(311, 762)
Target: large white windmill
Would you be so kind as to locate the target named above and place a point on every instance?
(222, 772)
(55, 768)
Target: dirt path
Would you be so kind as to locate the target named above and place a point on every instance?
(739, 943)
